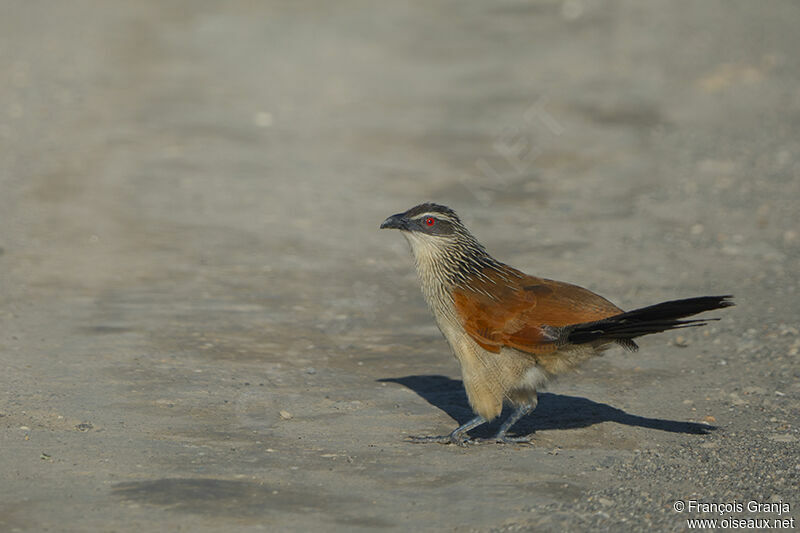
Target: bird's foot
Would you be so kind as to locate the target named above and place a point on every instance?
(453, 438)
(524, 440)
(458, 436)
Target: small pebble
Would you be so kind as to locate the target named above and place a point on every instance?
(286, 415)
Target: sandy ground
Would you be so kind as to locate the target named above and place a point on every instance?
(203, 329)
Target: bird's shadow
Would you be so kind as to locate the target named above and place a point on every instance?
(554, 411)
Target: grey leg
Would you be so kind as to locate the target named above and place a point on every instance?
(458, 436)
(518, 413)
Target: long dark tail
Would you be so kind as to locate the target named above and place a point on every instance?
(624, 327)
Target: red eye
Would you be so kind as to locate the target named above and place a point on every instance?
(430, 221)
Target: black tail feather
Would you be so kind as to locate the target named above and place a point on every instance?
(652, 319)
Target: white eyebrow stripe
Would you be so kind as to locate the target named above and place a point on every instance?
(432, 214)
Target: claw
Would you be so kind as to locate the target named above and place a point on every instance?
(458, 440)
(505, 439)
(464, 440)
(458, 437)
(525, 440)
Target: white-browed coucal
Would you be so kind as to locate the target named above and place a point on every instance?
(512, 332)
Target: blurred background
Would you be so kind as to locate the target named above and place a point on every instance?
(190, 195)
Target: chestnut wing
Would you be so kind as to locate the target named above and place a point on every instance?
(521, 309)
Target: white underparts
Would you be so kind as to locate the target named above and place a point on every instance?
(490, 379)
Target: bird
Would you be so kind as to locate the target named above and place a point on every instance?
(512, 332)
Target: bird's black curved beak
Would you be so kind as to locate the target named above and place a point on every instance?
(397, 221)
